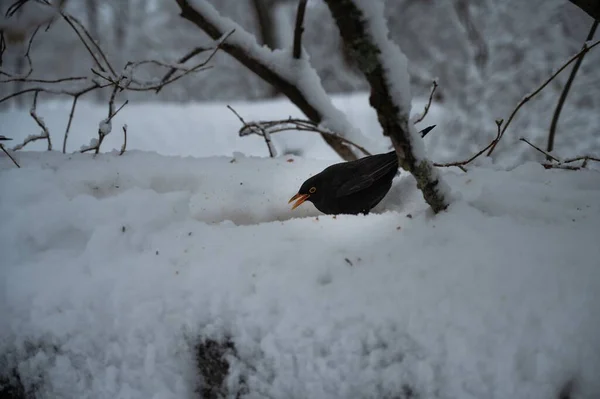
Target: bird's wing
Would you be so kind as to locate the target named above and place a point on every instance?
(369, 171)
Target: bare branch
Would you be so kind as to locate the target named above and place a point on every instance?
(126, 81)
(528, 97)
(71, 114)
(582, 158)
(10, 156)
(40, 122)
(124, 146)
(263, 132)
(183, 59)
(92, 40)
(565, 92)
(27, 57)
(87, 46)
(105, 126)
(299, 29)
(285, 125)
(548, 156)
(136, 85)
(15, 7)
(117, 111)
(58, 91)
(558, 164)
(2, 47)
(462, 164)
(50, 81)
(426, 110)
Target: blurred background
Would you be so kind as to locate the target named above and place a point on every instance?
(485, 54)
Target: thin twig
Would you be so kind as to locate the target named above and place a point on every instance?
(50, 81)
(263, 132)
(87, 46)
(27, 56)
(142, 86)
(93, 41)
(299, 29)
(124, 146)
(426, 110)
(105, 126)
(528, 97)
(461, 164)
(565, 92)
(293, 124)
(10, 156)
(236, 114)
(582, 158)
(45, 133)
(126, 81)
(2, 47)
(117, 111)
(72, 93)
(548, 155)
(71, 114)
(559, 164)
(14, 7)
(183, 59)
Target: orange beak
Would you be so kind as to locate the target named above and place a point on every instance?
(300, 200)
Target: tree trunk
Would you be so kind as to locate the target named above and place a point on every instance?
(394, 120)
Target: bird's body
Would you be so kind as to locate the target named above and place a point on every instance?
(350, 187)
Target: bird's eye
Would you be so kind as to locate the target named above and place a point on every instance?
(312, 190)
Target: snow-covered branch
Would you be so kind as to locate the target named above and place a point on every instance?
(363, 28)
(295, 78)
(266, 128)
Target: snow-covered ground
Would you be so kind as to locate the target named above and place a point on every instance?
(113, 267)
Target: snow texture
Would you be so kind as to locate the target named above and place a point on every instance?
(298, 72)
(113, 266)
(105, 127)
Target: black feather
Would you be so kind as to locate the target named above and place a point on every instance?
(352, 187)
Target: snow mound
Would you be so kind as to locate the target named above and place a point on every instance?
(112, 265)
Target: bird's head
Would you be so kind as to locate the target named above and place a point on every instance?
(311, 190)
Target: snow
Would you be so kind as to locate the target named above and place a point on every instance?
(105, 127)
(113, 266)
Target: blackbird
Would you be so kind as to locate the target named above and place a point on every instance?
(350, 187)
